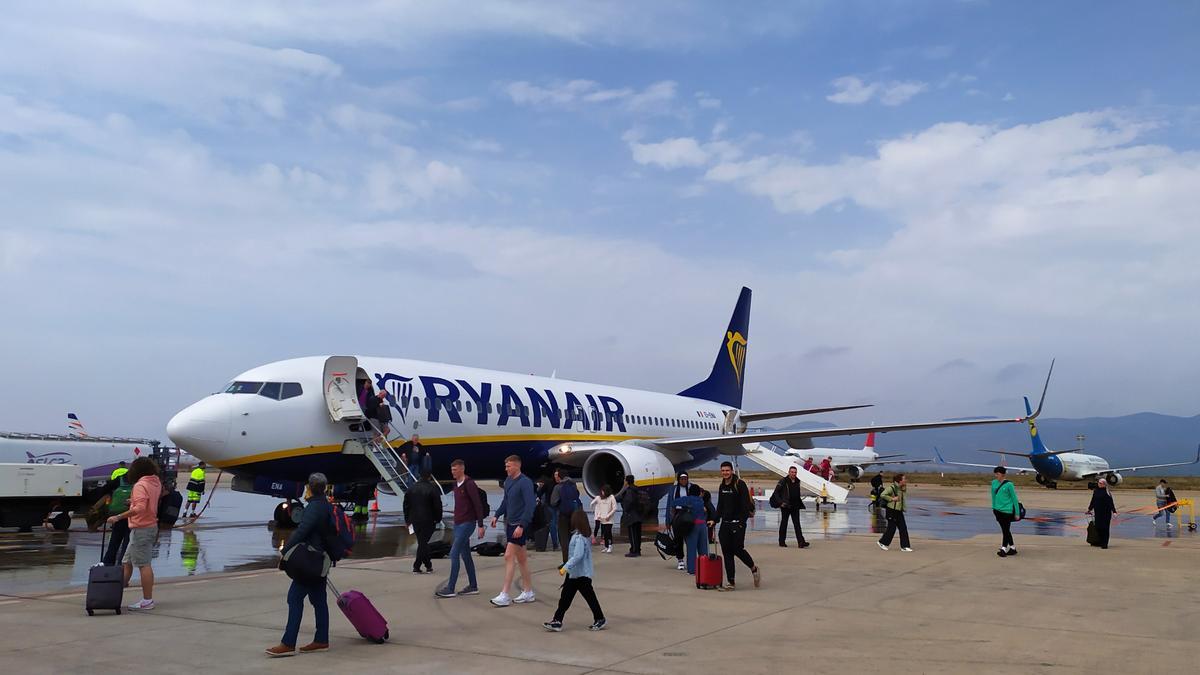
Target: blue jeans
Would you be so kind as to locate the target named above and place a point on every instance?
(1159, 503)
(295, 599)
(552, 518)
(697, 544)
(461, 548)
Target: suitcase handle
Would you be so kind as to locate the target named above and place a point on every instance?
(333, 588)
(103, 534)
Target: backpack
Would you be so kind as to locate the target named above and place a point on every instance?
(340, 543)
(120, 499)
(483, 502)
(439, 549)
(489, 549)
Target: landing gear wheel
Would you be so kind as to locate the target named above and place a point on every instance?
(287, 514)
(91, 612)
(1053, 485)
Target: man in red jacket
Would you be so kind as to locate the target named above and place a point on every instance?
(469, 512)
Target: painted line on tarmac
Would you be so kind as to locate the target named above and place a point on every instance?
(62, 596)
(9, 602)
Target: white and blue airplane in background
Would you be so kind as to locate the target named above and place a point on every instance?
(275, 424)
(1051, 466)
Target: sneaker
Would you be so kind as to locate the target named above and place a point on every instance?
(608, 549)
(630, 555)
(599, 625)
(1012, 551)
(445, 592)
(143, 604)
(469, 590)
(783, 544)
(757, 577)
(314, 647)
(881, 545)
(726, 588)
(680, 566)
(906, 549)
(1002, 552)
(501, 600)
(525, 596)
(280, 650)
(805, 544)
(553, 626)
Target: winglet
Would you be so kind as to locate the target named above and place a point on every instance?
(1042, 401)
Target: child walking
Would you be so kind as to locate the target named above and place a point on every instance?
(578, 572)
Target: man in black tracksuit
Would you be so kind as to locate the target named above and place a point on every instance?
(790, 500)
(734, 510)
(423, 510)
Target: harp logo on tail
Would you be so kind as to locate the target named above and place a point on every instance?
(735, 344)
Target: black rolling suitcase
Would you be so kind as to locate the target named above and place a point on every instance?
(168, 509)
(105, 586)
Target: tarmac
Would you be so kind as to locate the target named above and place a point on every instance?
(843, 605)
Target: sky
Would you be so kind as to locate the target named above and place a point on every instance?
(930, 200)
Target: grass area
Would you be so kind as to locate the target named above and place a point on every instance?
(955, 479)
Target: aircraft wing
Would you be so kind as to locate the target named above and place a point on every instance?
(731, 444)
(1018, 469)
(1146, 466)
(896, 461)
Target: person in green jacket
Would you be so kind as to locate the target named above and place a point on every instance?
(1006, 508)
(894, 501)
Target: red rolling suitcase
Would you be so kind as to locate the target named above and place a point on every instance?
(710, 571)
(362, 614)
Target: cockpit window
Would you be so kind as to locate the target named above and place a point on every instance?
(271, 390)
(291, 390)
(243, 388)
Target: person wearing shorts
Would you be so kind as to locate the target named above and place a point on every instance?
(143, 526)
(517, 507)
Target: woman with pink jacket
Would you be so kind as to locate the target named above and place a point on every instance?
(143, 526)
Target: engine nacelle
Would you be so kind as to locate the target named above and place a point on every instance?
(609, 466)
(855, 472)
(1114, 479)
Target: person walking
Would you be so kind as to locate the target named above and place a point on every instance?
(517, 508)
(1006, 508)
(894, 502)
(605, 507)
(1103, 508)
(195, 490)
(412, 452)
(681, 523)
(790, 500)
(630, 498)
(734, 511)
(469, 513)
(118, 503)
(578, 572)
(1163, 497)
(316, 525)
(567, 503)
(423, 511)
(142, 517)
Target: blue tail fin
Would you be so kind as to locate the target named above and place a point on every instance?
(724, 384)
(1039, 448)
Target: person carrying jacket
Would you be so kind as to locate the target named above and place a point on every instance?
(1104, 508)
(895, 502)
(1163, 496)
(631, 515)
(469, 513)
(679, 522)
(423, 510)
(142, 515)
(517, 506)
(567, 503)
(734, 511)
(1006, 508)
(316, 524)
(790, 500)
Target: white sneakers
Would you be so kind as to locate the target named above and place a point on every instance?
(501, 600)
(525, 596)
(144, 604)
(608, 549)
(906, 549)
(681, 566)
(881, 545)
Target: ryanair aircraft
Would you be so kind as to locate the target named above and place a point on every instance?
(275, 424)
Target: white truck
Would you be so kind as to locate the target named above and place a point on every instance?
(31, 492)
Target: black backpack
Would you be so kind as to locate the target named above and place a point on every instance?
(489, 549)
(483, 501)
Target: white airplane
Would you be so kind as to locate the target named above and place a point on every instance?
(1051, 466)
(275, 424)
(851, 461)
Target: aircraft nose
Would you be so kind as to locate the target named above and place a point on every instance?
(203, 427)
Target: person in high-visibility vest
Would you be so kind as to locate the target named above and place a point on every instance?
(121, 470)
(195, 488)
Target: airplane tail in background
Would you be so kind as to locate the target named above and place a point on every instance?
(1039, 448)
(75, 427)
(725, 382)
(870, 446)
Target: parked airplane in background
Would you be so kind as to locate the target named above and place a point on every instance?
(275, 424)
(97, 455)
(1051, 466)
(851, 461)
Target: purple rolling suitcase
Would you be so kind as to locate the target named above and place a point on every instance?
(362, 614)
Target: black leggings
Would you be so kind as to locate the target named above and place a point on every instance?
(733, 544)
(635, 538)
(584, 586)
(606, 531)
(1006, 521)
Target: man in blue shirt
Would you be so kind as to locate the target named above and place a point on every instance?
(517, 506)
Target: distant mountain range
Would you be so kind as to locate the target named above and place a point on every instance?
(1143, 438)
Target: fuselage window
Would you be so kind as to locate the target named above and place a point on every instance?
(427, 406)
(243, 388)
(291, 390)
(468, 406)
(416, 402)
(271, 390)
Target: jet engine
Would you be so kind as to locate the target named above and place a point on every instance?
(609, 466)
(1113, 478)
(855, 472)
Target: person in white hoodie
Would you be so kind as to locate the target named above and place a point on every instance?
(605, 507)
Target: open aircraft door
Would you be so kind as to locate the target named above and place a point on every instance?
(340, 396)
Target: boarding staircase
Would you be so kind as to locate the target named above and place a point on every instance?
(392, 468)
(769, 455)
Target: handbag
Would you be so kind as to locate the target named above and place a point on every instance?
(305, 563)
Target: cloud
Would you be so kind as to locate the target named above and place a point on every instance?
(670, 154)
(395, 186)
(954, 365)
(850, 90)
(706, 100)
(655, 98)
(825, 353)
